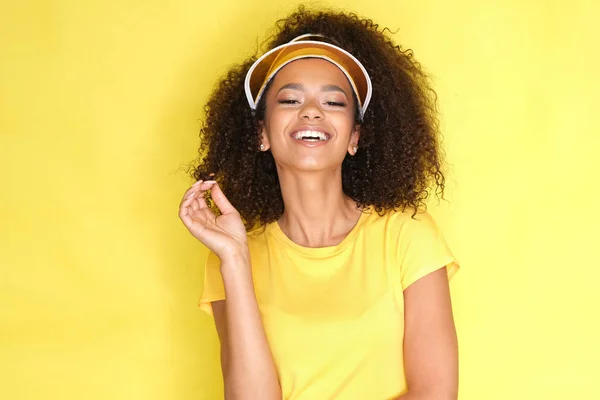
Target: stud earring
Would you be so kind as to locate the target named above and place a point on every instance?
(262, 147)
(355, 148)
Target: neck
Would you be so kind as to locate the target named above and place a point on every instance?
(316, 211)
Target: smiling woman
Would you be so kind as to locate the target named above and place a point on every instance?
(326, 277)
(320, 92)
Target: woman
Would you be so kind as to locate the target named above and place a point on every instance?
(326, 277)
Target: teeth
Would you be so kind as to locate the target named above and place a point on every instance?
(310, 134)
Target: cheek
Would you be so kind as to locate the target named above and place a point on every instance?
(276, 121)
(345, 124)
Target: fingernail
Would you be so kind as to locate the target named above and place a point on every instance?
(197, 183)
(211, 182)
(191, 195)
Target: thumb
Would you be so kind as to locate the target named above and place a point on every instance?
(221, 201)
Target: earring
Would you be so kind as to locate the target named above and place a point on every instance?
(355, 149)
(262, 147)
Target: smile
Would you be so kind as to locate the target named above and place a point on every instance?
(311, 136)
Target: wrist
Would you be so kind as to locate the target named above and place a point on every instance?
(236, 272)
(238, 259)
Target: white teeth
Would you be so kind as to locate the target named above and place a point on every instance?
(300, 135)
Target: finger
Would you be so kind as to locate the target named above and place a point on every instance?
(195, 204)
(185, 205)
(192, 220)
(189, 193)
(195, 199)
(220, 200)
(193, 188)
(186, 201)
(202, 202)
(190, 211)
(192, 215)
(184, 214)
(198, 189)
(200, 185)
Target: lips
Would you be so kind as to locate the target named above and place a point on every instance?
(310, 134)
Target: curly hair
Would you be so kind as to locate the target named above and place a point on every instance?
(399, 160)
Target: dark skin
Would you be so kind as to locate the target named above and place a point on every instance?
(311, 94)
(397, 165)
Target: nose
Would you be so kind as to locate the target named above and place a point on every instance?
(311, 110)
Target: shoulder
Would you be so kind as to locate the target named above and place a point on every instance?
(418, 229)
(419, 222)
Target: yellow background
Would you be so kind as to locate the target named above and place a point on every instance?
(99, 108)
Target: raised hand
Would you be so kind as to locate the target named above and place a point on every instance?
(225, 234)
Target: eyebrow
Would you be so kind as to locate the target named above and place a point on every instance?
(325, 88)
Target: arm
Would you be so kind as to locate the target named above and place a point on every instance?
(430, 343)
(248, 367)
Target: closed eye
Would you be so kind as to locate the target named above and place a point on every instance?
(335, 104)
(288, 101)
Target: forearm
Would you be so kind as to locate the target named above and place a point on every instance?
(250, 371)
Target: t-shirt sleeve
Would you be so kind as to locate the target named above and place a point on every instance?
(214, 289)
(422, 250)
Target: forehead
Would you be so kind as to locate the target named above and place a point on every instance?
(310, 71)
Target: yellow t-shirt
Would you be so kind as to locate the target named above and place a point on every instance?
(333, 316)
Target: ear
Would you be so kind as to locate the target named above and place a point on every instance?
(353, 144)
(264, 139)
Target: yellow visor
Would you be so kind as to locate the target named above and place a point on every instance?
(265, 68)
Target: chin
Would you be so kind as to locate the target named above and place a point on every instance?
(310, 164)
(317, 165)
